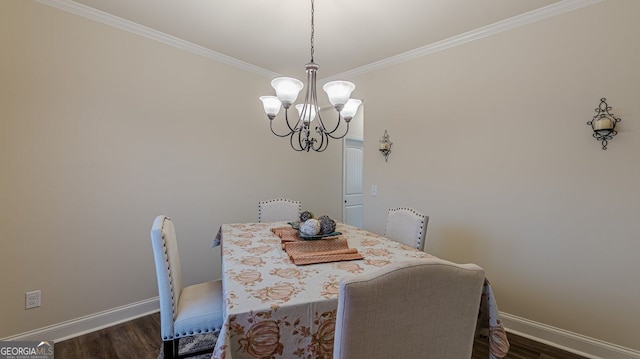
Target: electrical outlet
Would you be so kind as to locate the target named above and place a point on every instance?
(32, 299)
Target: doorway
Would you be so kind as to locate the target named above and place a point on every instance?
(353, 210)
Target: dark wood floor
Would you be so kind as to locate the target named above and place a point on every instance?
(140, 339)
(136, 339)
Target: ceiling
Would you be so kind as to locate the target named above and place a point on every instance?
(349, 34)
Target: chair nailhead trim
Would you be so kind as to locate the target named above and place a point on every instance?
(185, 334)
(423, 216)
(166, 259)
(276, 200)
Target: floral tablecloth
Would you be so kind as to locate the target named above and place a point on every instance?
(275, 309)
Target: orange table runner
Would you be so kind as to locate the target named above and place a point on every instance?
(301, 252)
(286, 234)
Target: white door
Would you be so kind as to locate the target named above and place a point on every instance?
(353, 212)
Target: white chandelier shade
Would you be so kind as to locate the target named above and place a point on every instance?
(271, 105)
(339, 92)
(287, 89)
(350, 109)
(306, 113)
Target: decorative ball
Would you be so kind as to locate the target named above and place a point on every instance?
(306, 215)
(324, 216)
(310, 227)
(327, 225)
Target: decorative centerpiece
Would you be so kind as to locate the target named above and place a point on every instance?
(315, 228)
(327, 225)
(310, 227)
(306, 215)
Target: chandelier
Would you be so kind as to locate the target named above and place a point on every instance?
(301, 136)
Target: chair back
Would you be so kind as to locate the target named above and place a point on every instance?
(424, 308)
(407, 226)
(168, 272)
(279, 209)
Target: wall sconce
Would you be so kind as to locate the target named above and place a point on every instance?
(604, 123)
(385, 145)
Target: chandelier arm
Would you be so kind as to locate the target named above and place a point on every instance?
(339, 137)
(323, 140)
(314, 98)
(299, 149)
(286, 117)
(277, 134)
(310, 98)
(335, 128)
(300, 140)
(312, 89)
(308, 142)
(330, 134)
(292, 130)
(324, 143)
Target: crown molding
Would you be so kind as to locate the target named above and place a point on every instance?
(130, 26)
(558, 8)
(479, 33)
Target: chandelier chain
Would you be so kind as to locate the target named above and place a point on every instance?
(312, 29)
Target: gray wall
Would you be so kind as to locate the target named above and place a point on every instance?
(490, 140)
(102, 130)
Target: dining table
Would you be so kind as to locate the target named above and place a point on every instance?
(275, 308)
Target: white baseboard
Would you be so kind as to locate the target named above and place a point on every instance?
(566, 340)
(90, 323)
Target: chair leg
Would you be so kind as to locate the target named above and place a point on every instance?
(171, 350)
(176, 346)
(168, 349)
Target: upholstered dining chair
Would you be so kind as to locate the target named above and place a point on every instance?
(279, 209)
(184, 311)
(424, 308)
(407, 226)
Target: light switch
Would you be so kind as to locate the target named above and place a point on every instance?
(374, 190)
